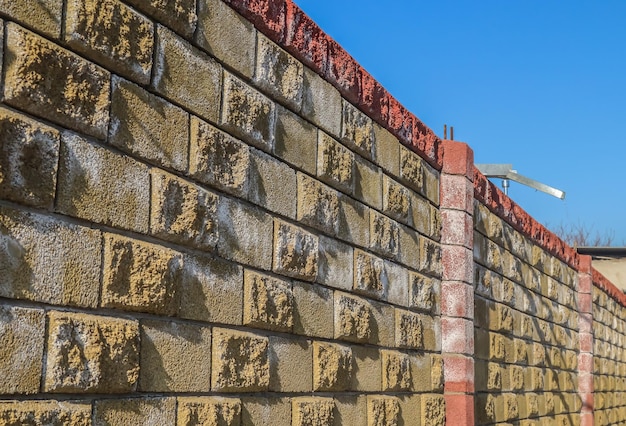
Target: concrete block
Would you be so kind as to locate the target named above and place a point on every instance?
(245, 234)
(335, 164)
(217, 410)
(354, 220)
(176, 75)
(183, 213)
(332, 366)
(336, 262)
(321, 103)
(148, 127)
(296, 251)
(312, 411)
(239, 361)
(409, 247)
(318, 205)
(69, 90)
(357, 131)
(431, 184)
(296, 141)
(273, 184)
(291, 367)
(313, 310)
(248, 114)
(88, 353)
(101, 186)
(22, 330)
(367, 369)
(180, 15)
(351, 409)
(409, 330)
(387, 150)
(174, 357)
(383, 325)
(226, 35)
(265, 411)
(384, 235)
(396, 371)
(140, 276)
(48, 261)
(279, 74)
(112, 34)
(42, 412)
(420, 213)
(368, 183)
(42, 15)
(268, 302)
(218, 159)
(135, 411)
(383, 410)
(211, 290)
(353, 319)
(29, 154)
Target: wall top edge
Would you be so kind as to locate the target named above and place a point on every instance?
(288, 26)
(603, 283)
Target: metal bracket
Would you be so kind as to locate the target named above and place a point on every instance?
(506, 173)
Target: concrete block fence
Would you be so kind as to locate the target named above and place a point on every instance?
(210, 214)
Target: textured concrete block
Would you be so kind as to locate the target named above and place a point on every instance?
(211, 290)
(321, 103)
(335, 163)
(101, 186)
(296, 251)
(240, 361)
(312, 411)
(272, 184)
(423, 292)
(296, 141)
(332, 366)
(368, 183)
(396, 200)
(42, 15)
(182, 212)
(208, 410)
(387, 150)
(291, 368)
(412, 170)
(336, 262)
(370, 277)
(186, 75)
(313, 310)
(433, 410)
(279, 74)
(68, 90)
(180, 15)
(217, 159)
(135, 411)
(226, 35)
(430, 258)
(357, 131)
(384, 235)
(148, 127)
(174, 357)
(48, 261)
(318, 205)
(409, 330)
(396, 369)
(437, 373)
(353, 319)
(29, 154)
(383, 411)
(88, 353)
(113, 34)
(354, 220)
(268, 302)
(248, 114)
(22, 333)
(245, 234)
(42, 412)
(139, 276)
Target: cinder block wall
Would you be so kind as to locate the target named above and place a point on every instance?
(211, 214)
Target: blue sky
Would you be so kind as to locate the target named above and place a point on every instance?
(539, 84)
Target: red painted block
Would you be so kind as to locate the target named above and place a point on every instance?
(585, 323)
(585, 282)
(586, 419)
(343, 72)
(457, 228)
(459, 410)
(457, 336)
(458, 374)
(458, 159)
(305, 39)
(457, 263)
(585, 302)
(456, 192)
(266, 15)
(585, 364)
(586, 342)
(584, 264)
(457, 299)
(374, 98)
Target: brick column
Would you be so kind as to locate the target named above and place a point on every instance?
(585, 337)
(457, 289)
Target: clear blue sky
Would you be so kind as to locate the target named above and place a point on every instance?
(539, 84)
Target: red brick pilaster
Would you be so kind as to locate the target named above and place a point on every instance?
(457, 290)
(585, 337)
